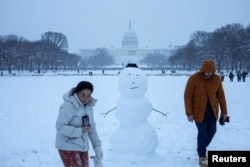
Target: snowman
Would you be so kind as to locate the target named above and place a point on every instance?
(134, 135)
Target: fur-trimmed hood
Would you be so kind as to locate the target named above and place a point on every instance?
(73, 99)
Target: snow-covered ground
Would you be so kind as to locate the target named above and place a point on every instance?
(29, 108)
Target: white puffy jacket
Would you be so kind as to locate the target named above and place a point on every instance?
(69, 134)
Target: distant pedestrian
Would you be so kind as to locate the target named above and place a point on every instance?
(222, 76)
(231, 76)
(244, 74)
(238, 76)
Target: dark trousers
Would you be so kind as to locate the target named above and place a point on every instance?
(74, 158)
(206, 131)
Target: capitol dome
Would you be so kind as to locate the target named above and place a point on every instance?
(129, 38)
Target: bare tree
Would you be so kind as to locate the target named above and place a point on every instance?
(234, 34)
(155, 60)
(11, 49)
(100, 58)
(56, 38)
(177, 57)
(246, 48)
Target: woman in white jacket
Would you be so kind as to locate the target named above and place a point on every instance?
(72, 137)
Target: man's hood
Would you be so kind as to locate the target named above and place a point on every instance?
(208, 66)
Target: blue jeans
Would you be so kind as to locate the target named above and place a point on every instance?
(206, 131)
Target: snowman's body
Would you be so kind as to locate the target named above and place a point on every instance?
(134, 135)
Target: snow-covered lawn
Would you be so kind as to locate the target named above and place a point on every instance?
(29, 108)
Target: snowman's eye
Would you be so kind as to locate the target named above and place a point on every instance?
(137, 75)
(129, 74)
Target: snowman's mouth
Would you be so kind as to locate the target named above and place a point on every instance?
(134, 87)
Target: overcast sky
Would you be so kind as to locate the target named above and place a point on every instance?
(102, 23)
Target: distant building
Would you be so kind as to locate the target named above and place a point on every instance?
(130, 52)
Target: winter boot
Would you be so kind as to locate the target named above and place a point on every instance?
(203, 161)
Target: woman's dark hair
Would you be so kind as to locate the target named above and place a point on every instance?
(83, 85)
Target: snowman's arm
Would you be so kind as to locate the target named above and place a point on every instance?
(164, 114)
(106, 113)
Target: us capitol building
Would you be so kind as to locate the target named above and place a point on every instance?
(130, 52)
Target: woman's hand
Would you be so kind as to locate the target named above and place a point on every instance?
(85, 129)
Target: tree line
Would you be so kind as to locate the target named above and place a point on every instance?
(228, 46)
(48, 53)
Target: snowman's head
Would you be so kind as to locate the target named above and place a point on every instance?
(132, 82)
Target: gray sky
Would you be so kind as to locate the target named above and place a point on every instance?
(102, 23)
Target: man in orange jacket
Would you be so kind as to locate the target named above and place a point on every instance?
(202, 97)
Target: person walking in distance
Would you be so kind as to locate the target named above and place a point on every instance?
(244, 74)
(238, 75)
(222, 76)
(231, 76)
(202, 97)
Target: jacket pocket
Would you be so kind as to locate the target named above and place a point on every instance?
(77, 141)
